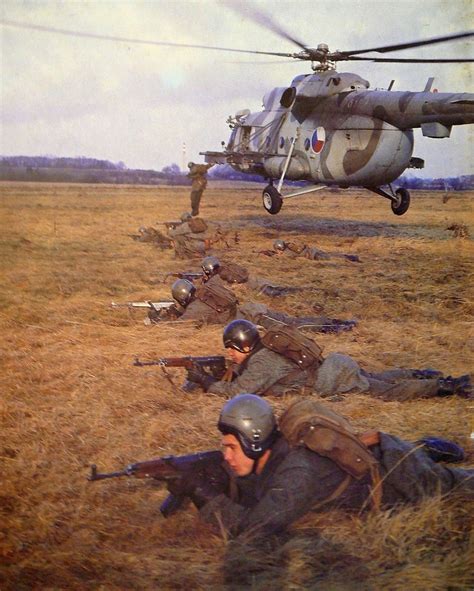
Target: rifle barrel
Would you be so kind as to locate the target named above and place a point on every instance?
(94, 475)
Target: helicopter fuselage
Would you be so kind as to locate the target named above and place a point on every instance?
(330, 128)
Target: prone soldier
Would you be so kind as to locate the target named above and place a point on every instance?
(314, 460)
(153, 236)
(213, 303)
(194, 237)
(235, 274)
(271, 473)
(295, 248)
(286, 361)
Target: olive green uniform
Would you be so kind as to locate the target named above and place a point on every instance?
(295, 481)
(265, 372)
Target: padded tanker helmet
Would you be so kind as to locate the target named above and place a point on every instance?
(210, 265)
(241, 335)
(251, 420)
(279, 245)
(183, 291)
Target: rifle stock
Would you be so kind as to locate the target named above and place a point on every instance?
(208, 464)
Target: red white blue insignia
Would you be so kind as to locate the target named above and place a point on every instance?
(318, 139)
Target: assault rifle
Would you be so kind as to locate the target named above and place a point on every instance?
(157, 311)
(157, 306)
(189, 275)
(207, 465)
(214, 363)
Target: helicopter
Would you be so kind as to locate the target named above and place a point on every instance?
(331, 129)
(327, 128)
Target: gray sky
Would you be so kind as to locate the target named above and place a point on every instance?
(73, 96)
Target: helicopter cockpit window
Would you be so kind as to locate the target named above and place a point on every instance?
(282, 142)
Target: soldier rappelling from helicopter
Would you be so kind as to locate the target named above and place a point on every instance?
(197, 173)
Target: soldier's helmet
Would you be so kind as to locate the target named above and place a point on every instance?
(186, 216)
(279, 245)
(190, 164)
(210, 265)
(183, 291)
(251, 420)
(241, 335)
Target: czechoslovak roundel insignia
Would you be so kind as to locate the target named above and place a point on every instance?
(318, 139)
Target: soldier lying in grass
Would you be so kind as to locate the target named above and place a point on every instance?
(212, 303)
(315, 461)
(286, 361)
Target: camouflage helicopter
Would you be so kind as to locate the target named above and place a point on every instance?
(330, 129)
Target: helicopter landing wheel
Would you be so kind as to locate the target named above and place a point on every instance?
(402, 202)
(272, 200)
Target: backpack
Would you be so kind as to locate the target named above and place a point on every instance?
(296, 246)
(311, 424)
(218, 297)
(233, 273)
(197, 225)
(293, 345)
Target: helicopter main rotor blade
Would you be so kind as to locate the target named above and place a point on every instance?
(261, 18)
(72, 33)
(431, 41)
(410, 60)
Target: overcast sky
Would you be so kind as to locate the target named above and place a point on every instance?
(76, 96)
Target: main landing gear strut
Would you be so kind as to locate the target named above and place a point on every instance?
(400, 199)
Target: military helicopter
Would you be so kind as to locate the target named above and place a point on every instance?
(330, 129)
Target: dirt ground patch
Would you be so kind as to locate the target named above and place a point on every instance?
(71, 396)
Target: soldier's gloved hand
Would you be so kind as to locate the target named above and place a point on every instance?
(198, 376)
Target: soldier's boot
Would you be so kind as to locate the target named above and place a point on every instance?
(441, 450)
(352, 257)
(340, 326)
(275, 291)
(450, 386)
(427, 374)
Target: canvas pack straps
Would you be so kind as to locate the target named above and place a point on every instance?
(217, 297)
(311, 424)
(233, 273)
(293, 345)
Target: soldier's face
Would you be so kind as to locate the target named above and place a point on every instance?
(238, 462)
(237, 356)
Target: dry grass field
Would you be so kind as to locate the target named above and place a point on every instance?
(71, 397)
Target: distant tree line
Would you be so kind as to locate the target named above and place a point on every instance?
(92, 170)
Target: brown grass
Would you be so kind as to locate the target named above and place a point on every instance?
(71, 397)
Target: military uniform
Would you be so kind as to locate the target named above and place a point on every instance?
(262, 315)
(197, 173)
(340, 374)
(151, 235)
(202, 312)
(188, 243)
(264, 372)
(297, 480)
(296, 248)
(258, 284)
